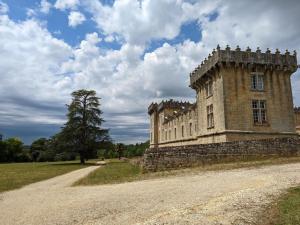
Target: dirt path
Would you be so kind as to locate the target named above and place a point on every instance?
(221, 197)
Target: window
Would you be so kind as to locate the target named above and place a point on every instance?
(257, 82)
(259, 111)
(191, 133)
(190, 115)
(210, 116)
(208, 88)
(182, 131)
(169, 134)
(175, 135)
(166, 135)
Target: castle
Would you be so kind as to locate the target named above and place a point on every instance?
(240, 95)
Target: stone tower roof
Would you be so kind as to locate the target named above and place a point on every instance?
(273, 60)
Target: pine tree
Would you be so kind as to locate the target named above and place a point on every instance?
(83, 132)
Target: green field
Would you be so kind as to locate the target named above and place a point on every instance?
(289, 208)
(16, 175)
(114, 172)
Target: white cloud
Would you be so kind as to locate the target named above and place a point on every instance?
(45, 6)
(30, 12)
(140, 21)
(247, 24)
(29, 60)
(75, 18)
(109, 38)
(66, 4)
(3, 8)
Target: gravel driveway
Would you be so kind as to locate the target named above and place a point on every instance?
(219, 197)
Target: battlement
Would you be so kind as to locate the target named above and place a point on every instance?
(297, 109)
(275, 60)
(169, 104)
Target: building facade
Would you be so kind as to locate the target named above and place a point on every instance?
(240, 95)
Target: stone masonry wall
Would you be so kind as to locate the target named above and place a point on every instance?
(164, 158)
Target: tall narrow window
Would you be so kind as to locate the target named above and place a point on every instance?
(191, 132)
(259, 111)
(208, 88)
(257, 82)
(169, 134)
(166, 135)
(210, 116)
(182, 131)
(175, 135)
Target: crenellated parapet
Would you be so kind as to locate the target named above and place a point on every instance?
(287, 61)
(171, 104)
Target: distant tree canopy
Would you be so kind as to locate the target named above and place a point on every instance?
(111, 150)
(12, 150)
(54, 149)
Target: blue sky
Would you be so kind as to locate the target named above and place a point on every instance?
(131, 52)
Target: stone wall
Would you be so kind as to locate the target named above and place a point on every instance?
(164, 158)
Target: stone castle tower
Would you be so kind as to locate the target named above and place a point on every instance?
(240, 95)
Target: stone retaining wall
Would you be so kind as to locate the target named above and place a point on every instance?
(164, 158)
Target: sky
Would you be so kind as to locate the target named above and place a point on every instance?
(132, 52)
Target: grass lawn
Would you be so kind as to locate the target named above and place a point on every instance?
(123, 171)
(115, 171)
(16, 175)
(289, 208)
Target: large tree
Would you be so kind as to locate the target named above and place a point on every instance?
(83, 132)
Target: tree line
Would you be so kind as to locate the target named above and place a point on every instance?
(50, 150)
(82, 136)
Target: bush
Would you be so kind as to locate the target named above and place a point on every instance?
(11, 150)
(46, 156)
(3, 151)
(23, 157)
(65, 156)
